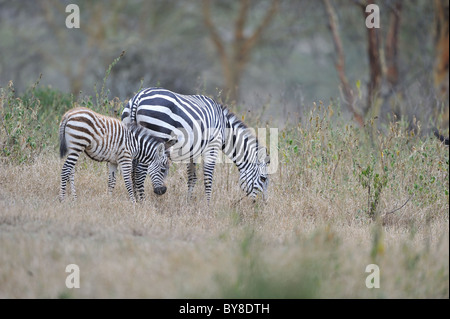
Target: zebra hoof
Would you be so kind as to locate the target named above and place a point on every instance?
(160, 190)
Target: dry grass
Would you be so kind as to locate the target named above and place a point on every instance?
(302, 244)
(323, 224)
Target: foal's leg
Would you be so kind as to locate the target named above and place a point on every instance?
(67, 173)
(112, 168)
(126, 166)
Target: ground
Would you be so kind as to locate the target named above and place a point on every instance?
(300, 244)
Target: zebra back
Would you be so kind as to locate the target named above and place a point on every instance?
(100, 137)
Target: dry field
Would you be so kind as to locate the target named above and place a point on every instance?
(311, 240)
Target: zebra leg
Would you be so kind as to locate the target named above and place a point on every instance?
(140, 173)
(72, 184)
(134, 163)
(112, 168)
(192, 178)
(209, 163)
(67, 173)
(126, 166)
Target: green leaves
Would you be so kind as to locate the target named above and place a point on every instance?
(29, 122)
(374, 183)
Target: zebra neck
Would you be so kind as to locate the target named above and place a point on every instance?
(240, 145)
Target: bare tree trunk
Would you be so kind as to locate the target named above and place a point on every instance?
(376, 71)
(390, 82)
(441, 69)
(392, 75)
(380, 75)
(347, 92)
(383, 69)
(233, 63)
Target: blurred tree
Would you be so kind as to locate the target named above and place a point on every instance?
(389, 90)
(92, 34)
(374, 55)
(234, 60)
(291, 62)
(441, 46)
(441, 42)
(383, 62)
(164, 41)
(347, 92)
(392, 68)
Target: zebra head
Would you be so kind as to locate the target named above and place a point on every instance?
(255, 179)
(152, 153)
(158, 168)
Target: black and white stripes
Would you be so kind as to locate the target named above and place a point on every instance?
(104, 138)
(202, 129)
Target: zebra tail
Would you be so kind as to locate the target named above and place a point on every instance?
(62, 137)
(133, 110)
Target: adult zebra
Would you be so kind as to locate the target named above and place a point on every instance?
(104, 138)
(202, 128)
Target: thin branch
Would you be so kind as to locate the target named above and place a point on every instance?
(398, 208)
(240, 21)
(215, 37)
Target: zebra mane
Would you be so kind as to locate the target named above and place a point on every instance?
(237, 123)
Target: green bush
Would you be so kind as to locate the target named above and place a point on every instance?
(29, 122)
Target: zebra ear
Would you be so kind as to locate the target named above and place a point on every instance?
(170, 142)
(262, 155)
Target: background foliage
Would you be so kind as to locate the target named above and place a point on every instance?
(169, 44)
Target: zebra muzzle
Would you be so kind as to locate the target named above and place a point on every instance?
(160, 190)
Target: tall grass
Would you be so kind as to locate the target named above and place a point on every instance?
(342, 198)
(29, 122)
(396, 163)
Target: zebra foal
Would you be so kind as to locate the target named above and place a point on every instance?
(106, 139)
